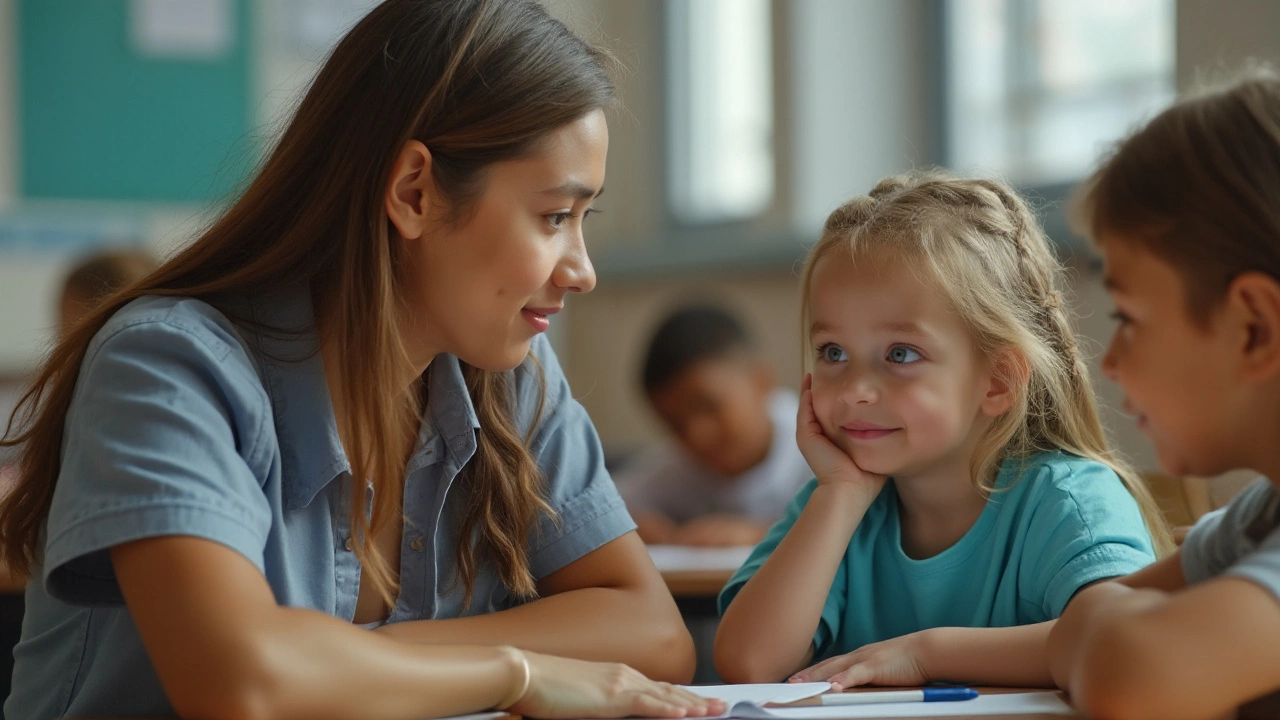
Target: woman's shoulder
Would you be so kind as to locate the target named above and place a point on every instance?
(175, 336)
(161, 316)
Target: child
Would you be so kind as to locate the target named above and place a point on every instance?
(322, 462)
(97, 276)
(964, 489)
(734, 463)
(1186, 214)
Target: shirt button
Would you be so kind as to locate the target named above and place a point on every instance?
(349, 545)
(417, 545)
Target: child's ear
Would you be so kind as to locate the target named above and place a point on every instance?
(1009, 376)
(1253, 306)
(408, 199)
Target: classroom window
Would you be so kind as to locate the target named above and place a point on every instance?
(720, 126)
(1038, 89)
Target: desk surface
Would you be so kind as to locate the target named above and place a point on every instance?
(695, 572)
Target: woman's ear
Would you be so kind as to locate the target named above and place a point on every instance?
(1253, 308)
(408, 198)
(1008, 380)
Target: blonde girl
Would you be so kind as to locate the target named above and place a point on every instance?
(323, 463)
(965, 489)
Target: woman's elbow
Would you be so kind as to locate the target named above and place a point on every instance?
(673, 658)
(241, 689)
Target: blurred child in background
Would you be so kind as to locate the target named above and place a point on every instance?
(732, 463)
(95, 277)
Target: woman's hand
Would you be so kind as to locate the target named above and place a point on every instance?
(564, 688)
(895, 662)
(830, 464)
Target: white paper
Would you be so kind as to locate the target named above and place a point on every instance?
(1044, 703)
(760, 693)
(676, 558)
(186, 29)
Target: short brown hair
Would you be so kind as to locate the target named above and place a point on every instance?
(1198, 187)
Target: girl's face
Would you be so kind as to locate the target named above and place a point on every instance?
(1177, 377)
(481, 291)
(898, 383)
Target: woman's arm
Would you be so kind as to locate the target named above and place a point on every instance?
(610, 604)
(767, 631)
(223, 648)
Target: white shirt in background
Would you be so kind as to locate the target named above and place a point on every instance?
(666, 480)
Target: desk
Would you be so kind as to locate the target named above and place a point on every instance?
(695, 572)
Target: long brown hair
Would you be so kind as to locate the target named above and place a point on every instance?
(979, 244)
(1198, 187)
(477, 82)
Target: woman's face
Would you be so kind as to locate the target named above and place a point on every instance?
(483, 289)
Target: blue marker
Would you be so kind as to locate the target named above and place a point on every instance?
(949, 694)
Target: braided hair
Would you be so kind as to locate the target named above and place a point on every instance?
(979, 244)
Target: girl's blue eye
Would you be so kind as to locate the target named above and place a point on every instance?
(902, 355)
(832, 353)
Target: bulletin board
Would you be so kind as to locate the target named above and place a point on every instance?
(104, 116)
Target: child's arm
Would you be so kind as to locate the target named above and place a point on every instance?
(654, 528)
(767, 632)
(1143, 653)
(610, 604)
(222, 647)
(720, 531)
(1010, 656)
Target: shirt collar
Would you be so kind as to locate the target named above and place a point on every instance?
(311, 453)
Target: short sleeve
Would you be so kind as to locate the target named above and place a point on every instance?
(832, 609)
(1083, 528)
(153, 444)
(589, 511)
(1217, 540)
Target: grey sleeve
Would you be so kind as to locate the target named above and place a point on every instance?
(1228, 541)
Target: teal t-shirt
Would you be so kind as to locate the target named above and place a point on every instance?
(1056, 523)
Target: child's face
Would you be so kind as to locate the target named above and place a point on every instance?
(718, 409)
(898, 383)
(1175, 375)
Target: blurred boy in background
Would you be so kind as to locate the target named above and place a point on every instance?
(732, 464)
(89, 282)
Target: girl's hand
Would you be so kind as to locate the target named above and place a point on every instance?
(895, 662)
(829, 463)
(564, 688)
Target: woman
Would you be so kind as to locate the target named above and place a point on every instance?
(336, 409)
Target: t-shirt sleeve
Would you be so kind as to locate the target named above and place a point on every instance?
(1220, 543)
(1083, 528)
(832, 608)
(156, 439)
(589, 511)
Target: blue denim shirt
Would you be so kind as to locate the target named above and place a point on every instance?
(185, 423)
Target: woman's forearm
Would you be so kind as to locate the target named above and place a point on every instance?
(1014, 656)
(767, 631)
(636, 626)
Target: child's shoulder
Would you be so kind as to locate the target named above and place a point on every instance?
(1061, 479)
